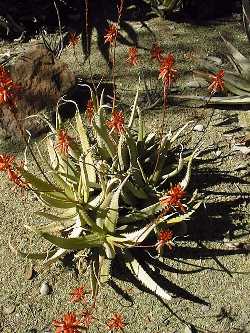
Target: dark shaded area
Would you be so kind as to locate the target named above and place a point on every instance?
(120, 271)
(200, 11)
(80, 94)
(27, 18)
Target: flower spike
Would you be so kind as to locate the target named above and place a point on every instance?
(218, 82)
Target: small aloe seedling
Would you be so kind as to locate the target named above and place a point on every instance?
(111, 186)
(234, 84)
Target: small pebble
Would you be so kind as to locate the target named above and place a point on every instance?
(9, 309)
(45, 289)
(243, 149)
(29, 272)
(198, 128)
(205, 308)
(218, 153)
(215, 60)
(192, 84)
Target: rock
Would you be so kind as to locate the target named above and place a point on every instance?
(198, 128)
(217, 61)
(243, 149)
(43, 80)
(45, 289)
(193, 84)
(9, 309)
(29, 272)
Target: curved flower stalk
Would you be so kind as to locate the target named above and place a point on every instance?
(94, 173)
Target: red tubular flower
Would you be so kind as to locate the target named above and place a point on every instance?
(78, 294)
(132, 56)
(6, 162)
(8, 88)
(173, 198)
(16, 178)
(165, 238)
(156, 52)
(73, 39)
(218, 82)
(63, 142)
(90, 111)
(116, 322)
(167, 72)
(117, 122)
(69, 324)
(111, 34)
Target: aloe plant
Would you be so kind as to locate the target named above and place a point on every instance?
(237, 82)
(106, 187)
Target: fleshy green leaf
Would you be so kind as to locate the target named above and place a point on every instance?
(68, 215)
(85, 148)
(37, 183)
(79, 243)
(113, 211)
(141, 215)
(184, 183)
(134, 108)
(105, 270)
(55, 202)
(138, 271)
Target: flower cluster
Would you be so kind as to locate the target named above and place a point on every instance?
(117, 122)
(218, 82)
(132, 56)
(173, 198)
(167, 72)
(165, 238)
(7, 165)
(79, 294)
(111, 34)
(8, 89)
(116, 322)
(71, 323)
(90, 111)
(156, 52)
(63, 142)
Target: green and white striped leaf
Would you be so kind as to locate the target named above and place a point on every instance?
(179, 218)
(113, 211)
(68, 216)
(86, 149)
(184, 183)
(143, 214)
(105, 270)
(138, 271)
(57, 202)
(79, 243)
